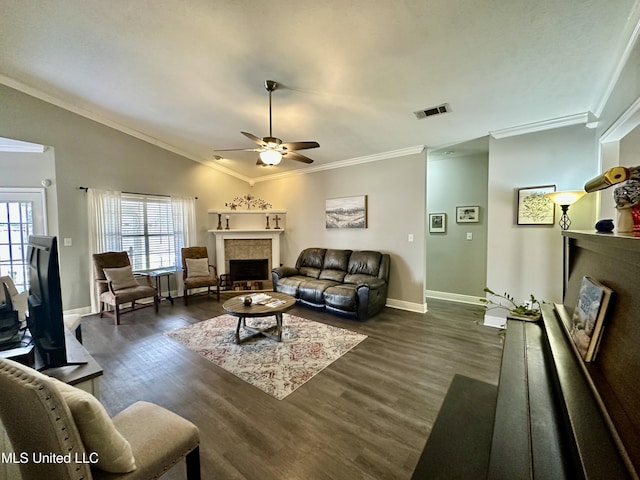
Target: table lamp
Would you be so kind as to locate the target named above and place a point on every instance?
(565, 199)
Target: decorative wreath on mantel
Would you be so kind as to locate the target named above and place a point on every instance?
(250, 201)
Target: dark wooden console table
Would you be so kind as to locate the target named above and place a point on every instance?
(555, 416)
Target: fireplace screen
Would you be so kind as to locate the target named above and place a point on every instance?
(250, 269)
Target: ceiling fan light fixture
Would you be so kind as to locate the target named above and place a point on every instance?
(271, 157)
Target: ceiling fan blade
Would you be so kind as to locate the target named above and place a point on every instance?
(300, 145)
(298, 157)
(253, 138)
(239, 150)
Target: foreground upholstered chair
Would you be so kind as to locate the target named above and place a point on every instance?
(42, 415)
(117, 285)
(196, 271)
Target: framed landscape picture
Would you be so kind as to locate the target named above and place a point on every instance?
(346, 212)
(534, 208)
(468, 214)
(437, 222)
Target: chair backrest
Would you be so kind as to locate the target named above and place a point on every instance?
(13, 291)
(192, 252)
(38, 421)
(108, 260)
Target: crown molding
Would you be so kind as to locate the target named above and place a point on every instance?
(632, 32)
(345, 163)
(577, 119)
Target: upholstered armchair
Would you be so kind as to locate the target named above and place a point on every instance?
(117, 285)
(43, 416)
(197, 273)
(19, 300)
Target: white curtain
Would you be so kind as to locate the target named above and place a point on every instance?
(184, 225)
(105, 229)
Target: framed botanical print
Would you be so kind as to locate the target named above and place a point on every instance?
(437, 222)
(534, 207)
(468, 214)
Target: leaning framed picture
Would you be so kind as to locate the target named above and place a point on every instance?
(437, 222)
(468, 214)
(534, 207)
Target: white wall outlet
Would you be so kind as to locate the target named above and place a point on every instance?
(68, 242)
(410, 237)
(469, 236)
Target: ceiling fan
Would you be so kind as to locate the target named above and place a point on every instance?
(272, 149)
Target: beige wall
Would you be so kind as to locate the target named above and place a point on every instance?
(93, 155)
(396, 198)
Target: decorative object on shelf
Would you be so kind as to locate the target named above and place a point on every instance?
(528, 311)
(565, 199)
(219, 227)
(277, 219)
(249, 201)
(267, 227)
(604, 225)
(468, 214)
(626, 196)
(588, 317)
(534, 207)
(227, 219)
(346, 212)
(437, 222)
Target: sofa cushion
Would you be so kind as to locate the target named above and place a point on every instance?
(311, 291)
(310, 272)
(330, 274)
(289, 285)
(336, 260)
(311, 257)
(365, 262)
(341, 297)
(359, 279)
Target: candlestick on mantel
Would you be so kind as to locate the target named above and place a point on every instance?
(219, 222)
(227, 227)
(268, 227)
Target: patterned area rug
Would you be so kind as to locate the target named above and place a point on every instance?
(277, 368)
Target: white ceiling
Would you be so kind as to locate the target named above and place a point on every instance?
(189, 74)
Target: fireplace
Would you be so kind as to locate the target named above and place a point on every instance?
(249, 269)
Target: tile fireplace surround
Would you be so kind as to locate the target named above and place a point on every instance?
(246, 244)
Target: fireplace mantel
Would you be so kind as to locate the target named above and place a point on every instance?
(222, 235)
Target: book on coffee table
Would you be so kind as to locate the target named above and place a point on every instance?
(260, 298)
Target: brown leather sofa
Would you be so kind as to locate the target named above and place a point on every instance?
(351, 283)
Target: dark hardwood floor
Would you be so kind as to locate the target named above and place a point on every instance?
(366, 416)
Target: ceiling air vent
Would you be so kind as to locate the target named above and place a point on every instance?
(431, 111)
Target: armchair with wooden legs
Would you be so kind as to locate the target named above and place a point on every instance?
(117, 285)
(197, 272)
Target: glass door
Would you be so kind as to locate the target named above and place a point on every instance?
(22, 213)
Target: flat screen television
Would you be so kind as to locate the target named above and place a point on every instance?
(45, 320)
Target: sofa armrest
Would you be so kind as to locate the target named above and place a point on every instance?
(373, 283)
(282, 272)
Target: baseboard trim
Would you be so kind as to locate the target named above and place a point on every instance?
(409, 306)
(453, 297)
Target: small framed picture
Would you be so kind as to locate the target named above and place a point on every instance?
(534, 207)
(437, 222)
(468, 214)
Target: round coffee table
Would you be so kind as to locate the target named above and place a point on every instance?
(276, 305)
